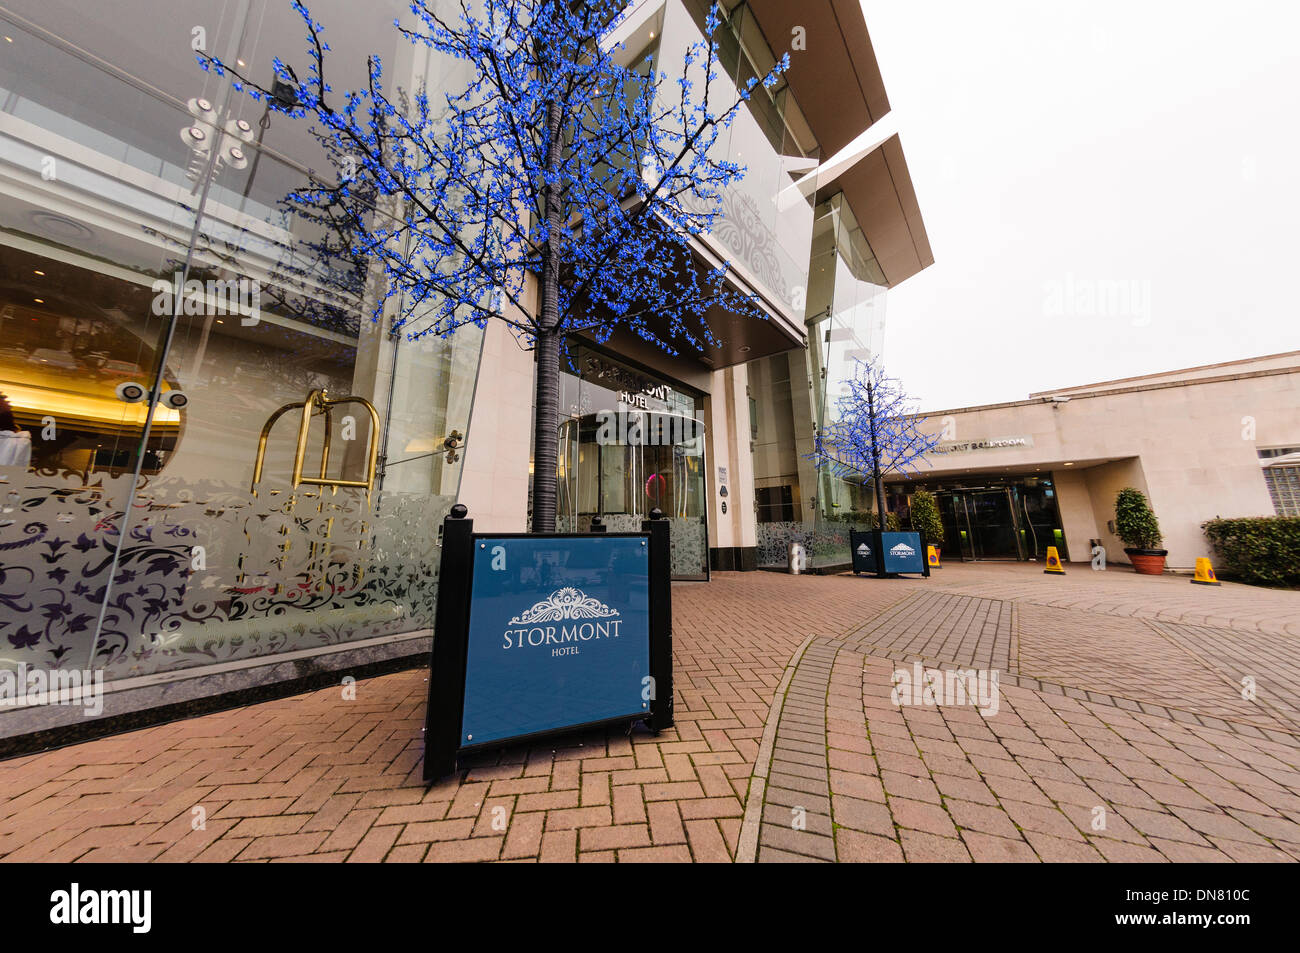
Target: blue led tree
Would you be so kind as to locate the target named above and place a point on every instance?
(558, 159)
(875, 430)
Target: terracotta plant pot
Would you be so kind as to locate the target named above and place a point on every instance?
(1148, 562)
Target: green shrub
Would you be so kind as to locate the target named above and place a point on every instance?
(865, 518)
(925, 517)
(892, 524)
(1258, 549)
(1135, 524)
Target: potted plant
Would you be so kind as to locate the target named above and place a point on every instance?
(1138, 528)
(925, 519)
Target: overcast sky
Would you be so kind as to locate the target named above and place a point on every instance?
(1110, 189)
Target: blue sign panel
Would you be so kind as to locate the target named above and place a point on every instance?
(559, 634)
(903, 552)
(864, 554)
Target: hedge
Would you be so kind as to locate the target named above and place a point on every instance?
(1261, 549)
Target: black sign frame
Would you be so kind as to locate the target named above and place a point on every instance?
(447, 663)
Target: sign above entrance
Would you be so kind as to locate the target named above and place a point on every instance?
(633, 389)
(952, 446)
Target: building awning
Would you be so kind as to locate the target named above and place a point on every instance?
(837, 83)
(879, 190)
(835, 77)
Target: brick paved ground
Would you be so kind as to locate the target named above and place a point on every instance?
(1120, 701)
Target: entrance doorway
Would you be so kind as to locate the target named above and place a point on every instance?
(985, 524)
(631, 443)
(1000, 520)
(620, 466)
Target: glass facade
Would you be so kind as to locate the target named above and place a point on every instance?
(766, 218)
(226, 457)
(798, 394)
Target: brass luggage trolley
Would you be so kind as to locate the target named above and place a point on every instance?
(318, 403)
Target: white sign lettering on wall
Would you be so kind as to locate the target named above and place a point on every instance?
(998, 444)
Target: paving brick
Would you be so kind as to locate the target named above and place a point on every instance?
(559, 847)
(808, 843)
(665, 823)
(986, 848)
(524, 838)
(856, 847)
(920, 847)
(614, 837)
(921, 816)
(655, 855)
(474, 850)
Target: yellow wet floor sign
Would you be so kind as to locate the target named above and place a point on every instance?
(1054, 561)
(1205, 573)
(932, 556)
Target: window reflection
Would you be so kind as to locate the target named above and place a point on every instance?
(157, 311)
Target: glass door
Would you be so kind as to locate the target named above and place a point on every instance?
(957, 537)
(994, 524)
(1041, 520)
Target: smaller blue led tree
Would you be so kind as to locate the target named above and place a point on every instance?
(876, 430)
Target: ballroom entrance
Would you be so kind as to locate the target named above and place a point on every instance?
(996, 518)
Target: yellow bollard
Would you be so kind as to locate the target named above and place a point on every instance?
(1054, 562)
(932, 556)
(1205, 572)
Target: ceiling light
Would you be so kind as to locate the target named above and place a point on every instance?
(39, 272)
(240, 63)
(9, 39)
(652, 34)
(39, 300)
(1069, 464)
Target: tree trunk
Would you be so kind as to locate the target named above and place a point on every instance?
(546, 437)
(877, 482)
(546, 404)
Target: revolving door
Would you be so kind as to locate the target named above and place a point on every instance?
(621, 465)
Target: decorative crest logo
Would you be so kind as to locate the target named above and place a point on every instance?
(566, 603)
(902, 549)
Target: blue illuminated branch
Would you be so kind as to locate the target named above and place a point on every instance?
(554, 159)
(449, 191)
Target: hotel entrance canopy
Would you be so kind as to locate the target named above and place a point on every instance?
(837, 83)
